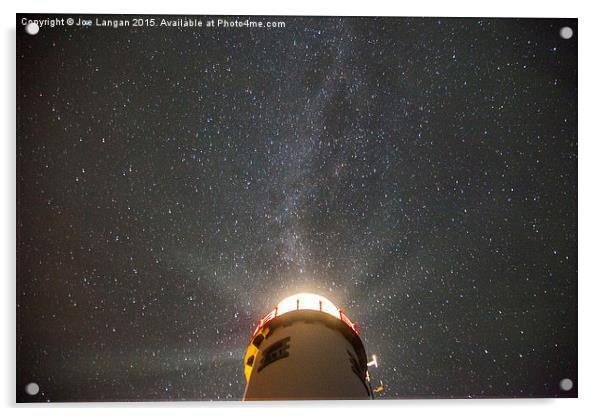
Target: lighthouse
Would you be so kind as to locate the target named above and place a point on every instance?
(306, 348)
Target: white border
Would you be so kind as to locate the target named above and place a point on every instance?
(589, 195)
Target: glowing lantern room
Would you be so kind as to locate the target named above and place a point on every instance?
(305, 301)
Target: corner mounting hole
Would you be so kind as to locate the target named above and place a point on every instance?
(566, 384)
(566, 32)
(32, 389)
(32, 28)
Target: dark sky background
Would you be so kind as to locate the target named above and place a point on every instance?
(174, 184)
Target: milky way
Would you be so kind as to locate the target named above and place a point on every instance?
(174, 184)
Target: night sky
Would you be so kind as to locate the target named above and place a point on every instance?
(174, 184)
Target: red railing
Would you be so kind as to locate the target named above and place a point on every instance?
(274, 312)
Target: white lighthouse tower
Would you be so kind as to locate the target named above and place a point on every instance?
(306, 348)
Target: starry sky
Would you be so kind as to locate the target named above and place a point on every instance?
(173, 184)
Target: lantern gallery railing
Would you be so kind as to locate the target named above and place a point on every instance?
(305, 301)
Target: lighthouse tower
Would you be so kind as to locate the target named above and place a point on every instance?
(306, 348)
